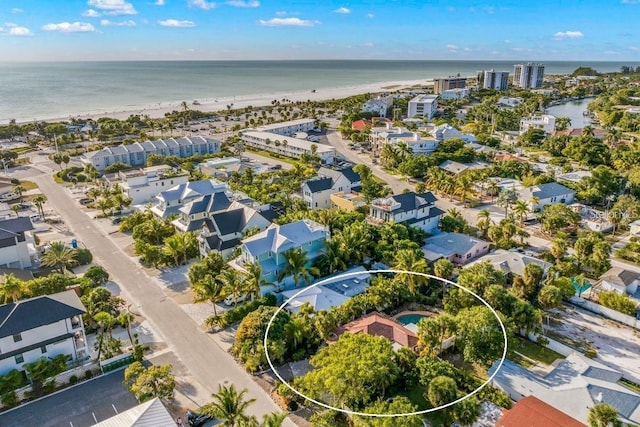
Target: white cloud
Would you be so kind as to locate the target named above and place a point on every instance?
(568, 35)
(467, 49)
(452, 48)
(14, 30)
(203, 4)
(506, 41)
(287, 22)
(90, 13)
(244, 3)
(16, 10)
(113, 7)
(10, 24)
(107, 23)
(159, 3)
(281, 13)
(518, 49)
(176, 24)
(371, 15)
(494, 52)
(70, 27)
(343, 10)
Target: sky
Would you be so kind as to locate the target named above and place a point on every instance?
(77, 30)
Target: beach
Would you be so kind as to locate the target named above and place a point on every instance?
(159, 110)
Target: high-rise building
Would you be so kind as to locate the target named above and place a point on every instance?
(528, 76)
(492, 79)
(451, 82)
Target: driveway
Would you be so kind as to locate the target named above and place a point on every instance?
(79, 406)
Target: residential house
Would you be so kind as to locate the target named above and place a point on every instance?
(456, 247)
(347, 201)
(224, 168)
(423, 106)
(223, 230)
(171, 200)
(143, 185)
(541, 195)
(416, 210)
(533, 412)
(509, 102)
(17, 244)
(512, 262)
(379, 105)
(457, 168)
(445, 132)
(44, 326)
(396, 135)
(458, 93)
(578, 382)
(634, 228)
(381, 326)
(593, 219)
(545, 122)
(576, 176)
(576, 132)
(334, 291)
(361, 124)
(619, 280)
(151, 413)
(288, 146)
(136, 154)
(268, 247)
(191, 216)
(317, 191)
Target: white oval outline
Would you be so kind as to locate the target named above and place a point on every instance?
(346, 411)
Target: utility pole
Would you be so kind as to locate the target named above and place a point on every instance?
(55, 140)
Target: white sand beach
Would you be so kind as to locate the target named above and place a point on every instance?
(219, 104)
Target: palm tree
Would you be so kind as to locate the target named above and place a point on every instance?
(209, 289)
(232, 283)
(12, 288)
(58, 255)
(229, 405)
(296, 266)
(521, 209)
(39, 201)
(484, 221)
(409, 261)
(464, 186)
(603, 415)
(19, 190)
(274, 419)
(332, 258)
(16, 209)
(125, 318)
(178, 246)
(104, 204)
(106, 322)
(253, 279)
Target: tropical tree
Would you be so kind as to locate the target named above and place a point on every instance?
(106, 322)
(549, 297)
(603, 415)
(151, 382)
(178, 246)
(125, 319)
(209, 288)
(16, 209)
(506, 198)
(232, 283)
(484, 222)
(410, 261)
(521, 209)
(229, 405)
(442, 390)
(467, 411)
(58, 255)
(19, 190)
(12, 288)
(253, 279)
(39, 201)
(296, 266)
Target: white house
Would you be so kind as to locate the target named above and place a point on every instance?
(171, 200)
(423, 105)
(546, 122)
(457, 93)
(510, 102)
(541, 195)
(136, 154)
(44, 326)
(512, 262)
(389, 134)
(593, 219)
(288, 146)
(378, 106)
(456, 247)
(151, 413)
(143, 185)
(457, 168)
(17, 245)
(269, 246)
(416, 210)
(634, 227)
(446, 131)
(288, 128)
(317, 191)
(619, 280)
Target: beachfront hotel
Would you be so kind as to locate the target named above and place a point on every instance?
(136, 154)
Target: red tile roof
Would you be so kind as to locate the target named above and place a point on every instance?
(500, 157)
(360, 124)
(575, 132)
(378, 325)
(533, 412)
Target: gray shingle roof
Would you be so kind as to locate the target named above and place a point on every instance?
(411, 201)
(35, 312)
(457, 243)
(620, 276)
(319, 184)
(545, 191)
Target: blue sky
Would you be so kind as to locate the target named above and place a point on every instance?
(45, 30)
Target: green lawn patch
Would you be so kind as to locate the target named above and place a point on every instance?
(535, 351)
(416, 396)
(29, 185)
(271, 155)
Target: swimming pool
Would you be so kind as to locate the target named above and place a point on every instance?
(407, 319)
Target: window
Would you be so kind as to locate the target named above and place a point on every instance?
(43, 349)
(17, 338)
(19, 358)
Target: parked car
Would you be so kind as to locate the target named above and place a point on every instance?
(116, 220)
(85, 201)
(230, 301)
(200, 420)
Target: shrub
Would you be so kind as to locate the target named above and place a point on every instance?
(591, 353)
(88, 374)
(618, 302)
(15, 181)
(239, 312)
(9, 399)
(97, 274)
(73, 379)
(83, 256)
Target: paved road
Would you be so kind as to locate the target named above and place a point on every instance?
(76, 406)
(203, 357)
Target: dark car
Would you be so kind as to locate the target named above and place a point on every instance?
(85, 201)
(117, 220)
(200, 420)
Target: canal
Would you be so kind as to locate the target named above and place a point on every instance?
(573, 110)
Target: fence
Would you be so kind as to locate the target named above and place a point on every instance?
(116, 362)
(554, 345)
(606, 312)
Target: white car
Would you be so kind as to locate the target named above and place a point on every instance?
(230, 301)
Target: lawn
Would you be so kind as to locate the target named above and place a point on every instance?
(271, 155)
(416, 396)
(28, 185)
(535, 351)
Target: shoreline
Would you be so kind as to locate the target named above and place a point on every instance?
(159, 109)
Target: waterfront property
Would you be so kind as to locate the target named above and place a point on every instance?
(317, 191)
(578, 382)
(447, 83)
(546, 122)
(288, 146)
(528, 76)
(143, 185)
(493, 80)
(416, 210)
(381, 326)
(17, 244)
(171, 200)
(459, 93)
(389, 134)
(423, 106)
(533, 412)
(136, 154)
(45, 326)
(510, 102)
(268, 247)
(541, 195)
(456, 247)
(378, 106)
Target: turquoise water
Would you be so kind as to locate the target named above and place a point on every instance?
(410, 318)
(58, 89)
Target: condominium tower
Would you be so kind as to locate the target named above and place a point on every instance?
(492, 79)
(528, 76)
(451, 82)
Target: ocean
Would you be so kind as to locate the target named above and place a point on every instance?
(30, 91)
